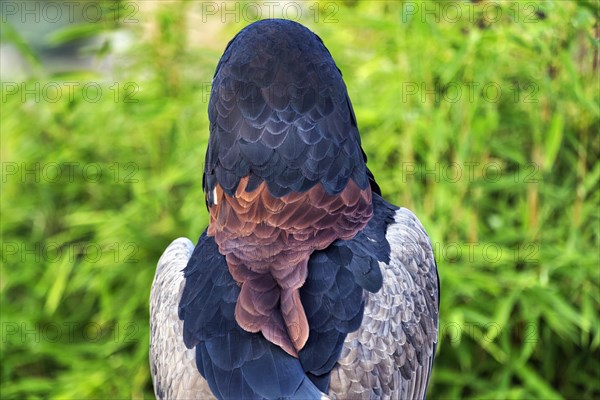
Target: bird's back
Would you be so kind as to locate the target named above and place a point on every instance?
(388, 351)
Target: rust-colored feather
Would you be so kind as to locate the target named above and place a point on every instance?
(267, 242)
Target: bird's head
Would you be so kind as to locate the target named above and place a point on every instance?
(280, 114)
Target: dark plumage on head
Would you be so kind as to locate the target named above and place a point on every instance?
(280, 113)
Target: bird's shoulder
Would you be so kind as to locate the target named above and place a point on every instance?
(392, 352)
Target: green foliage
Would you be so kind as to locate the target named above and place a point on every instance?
(486, 126)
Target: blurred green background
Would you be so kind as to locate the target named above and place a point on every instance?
(482, 117)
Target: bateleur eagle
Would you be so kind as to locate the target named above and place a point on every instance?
(306, 283)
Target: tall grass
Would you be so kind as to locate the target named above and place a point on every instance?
(486, 126)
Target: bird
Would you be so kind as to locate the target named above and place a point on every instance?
(307, 283)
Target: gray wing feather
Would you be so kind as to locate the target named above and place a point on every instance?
(173, 366)
(390, 356)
